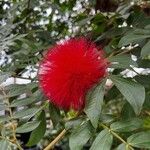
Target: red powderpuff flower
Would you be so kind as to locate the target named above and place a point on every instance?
(69, 70)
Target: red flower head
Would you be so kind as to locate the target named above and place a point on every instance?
(69, 70)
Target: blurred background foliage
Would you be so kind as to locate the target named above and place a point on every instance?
(117, 113)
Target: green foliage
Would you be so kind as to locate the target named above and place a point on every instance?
(117, 111)
(94, 103)
(27, 127)
(103, 141)
(140, 140)
(80, 136)
(38, 133)
(132, 91)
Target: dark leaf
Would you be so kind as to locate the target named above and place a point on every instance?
(38, 132)
(94, 103)
(80, 136)
(132, 91)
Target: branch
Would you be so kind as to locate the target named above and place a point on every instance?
(56, 140)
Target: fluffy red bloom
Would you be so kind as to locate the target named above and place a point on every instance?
(69, 70)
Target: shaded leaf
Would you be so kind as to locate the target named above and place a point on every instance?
(122, 61)
(94, 103)
(144, 80)
(146, 49)
(132, 91)
(127, 112)
(39, 132)
(54, 114)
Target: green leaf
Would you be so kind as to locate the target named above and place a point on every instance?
(147, 26)
(122, 147)
(140, 140)
(73, 123)
(145, 50)
(25, 113)
(113, 33)
(22, 102)
(103, 141)
(39, 132)
(54, 114)
(27, 127)
(127, 125)
(144, 80)
(131, 38)
(143, 63)
(4, 144)
(147, 102)
(80, 136)
(94, 103)
(127, 112)
(132, 91)
(16, 89)
(122, 61)
(4, 76)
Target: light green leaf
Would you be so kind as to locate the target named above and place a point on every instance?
(146, 49)
(22, 102)
(132, 91)
(80, 136)
(4, 144)
(127, 125)
(122, 147)
(94, 104)
(103, 141)
(140, 140)
(4, 118)
(25, 113)
(39, 132)
(27, 127)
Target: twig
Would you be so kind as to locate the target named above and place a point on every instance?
(56, 140)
